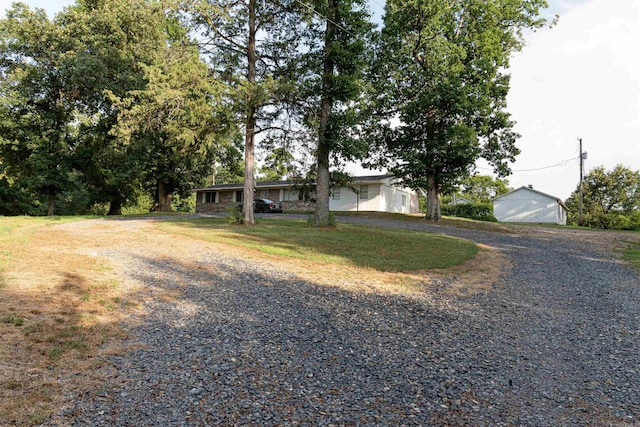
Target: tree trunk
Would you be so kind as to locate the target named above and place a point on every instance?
(115, 207)
(250, 125)
(51, 208)
(164, 198)
(433, 198)
(323, 184)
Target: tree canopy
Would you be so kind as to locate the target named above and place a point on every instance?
(611, 199)
(36, 105)
(439, 87)
(108, 100)
(482, 188)
(112, 101)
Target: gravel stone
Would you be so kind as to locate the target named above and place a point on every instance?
(554, 343)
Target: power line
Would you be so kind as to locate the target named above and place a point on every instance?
(315, 12)
(556, 165)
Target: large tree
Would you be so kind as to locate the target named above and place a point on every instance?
(439, 87)
(173, 127)
(247, 44)
(36, 106)
(611, 198)
(330, 66)
(110, 43)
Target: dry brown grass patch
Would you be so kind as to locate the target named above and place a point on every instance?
(479, 273)
(58, 308)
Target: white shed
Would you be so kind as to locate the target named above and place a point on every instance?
(526, 204)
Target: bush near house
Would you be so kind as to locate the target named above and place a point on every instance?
(477, 211)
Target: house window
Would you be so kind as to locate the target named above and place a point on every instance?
(239, 196)
(364, 192)
(211, 197)
(264, 194)
(336, 194)
(404, 200)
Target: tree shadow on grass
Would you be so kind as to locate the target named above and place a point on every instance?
(379, 248)
(56, 336)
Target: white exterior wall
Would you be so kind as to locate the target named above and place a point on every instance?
(349, 200)
(392, 199)
(381, 198)
(523, 205)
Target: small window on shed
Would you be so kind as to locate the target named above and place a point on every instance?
(404, 200)
(364, 192)
(336, 194)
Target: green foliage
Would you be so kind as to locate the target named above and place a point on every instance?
(107, 99)
(143, 204)
(168, 125)
(234, 216)
(331, 64)
(611, 199)
(477, 211)
(16, 200)
(439, 69)
(185, 204)
(610, 221)
(482, 188)
(632, 253)
(278, 163)
(35, 107)
(253, 66)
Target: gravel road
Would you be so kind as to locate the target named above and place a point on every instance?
(555, 343)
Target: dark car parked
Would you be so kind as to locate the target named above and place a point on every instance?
(264, 205)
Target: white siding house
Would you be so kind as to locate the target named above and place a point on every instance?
(374, 193)
(525, 204)
(378, 193)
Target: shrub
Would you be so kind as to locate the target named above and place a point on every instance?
(235, 216)
(613, 221)
(477, 211)
(185, 204)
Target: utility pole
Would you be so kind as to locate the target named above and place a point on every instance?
(583, 156)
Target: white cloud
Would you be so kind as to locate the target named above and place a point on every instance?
(578, 79)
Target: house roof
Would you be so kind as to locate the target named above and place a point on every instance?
(528, 188)
(287, 184)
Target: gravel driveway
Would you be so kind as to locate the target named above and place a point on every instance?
(557, 342)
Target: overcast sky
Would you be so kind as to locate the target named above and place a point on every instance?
(579, 79)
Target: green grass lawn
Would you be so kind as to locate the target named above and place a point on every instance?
(632, 253)
(389, 250)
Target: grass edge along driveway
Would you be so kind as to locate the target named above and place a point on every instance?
(382, 249)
